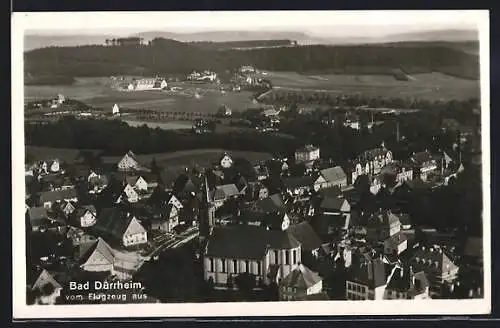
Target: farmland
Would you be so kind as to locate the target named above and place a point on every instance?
(429, 86)
(98, 92)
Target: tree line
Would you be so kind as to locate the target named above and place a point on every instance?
(168, 56)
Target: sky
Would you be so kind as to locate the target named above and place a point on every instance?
(317, 23)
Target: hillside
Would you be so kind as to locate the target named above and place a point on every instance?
(168, 56)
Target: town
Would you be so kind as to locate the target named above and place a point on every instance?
(298, 227)
(242, 183)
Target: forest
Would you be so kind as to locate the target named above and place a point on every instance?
(165, 56)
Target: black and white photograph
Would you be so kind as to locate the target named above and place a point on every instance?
(250, 163)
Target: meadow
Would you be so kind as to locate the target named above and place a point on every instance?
(98, 93)
(429, 86)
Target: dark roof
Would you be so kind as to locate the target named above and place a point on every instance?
(432, 258)
(384, 218)
(332, 203)
(297, 182)
(474, 247)
(187, 183)
(270, 204)
(225, 191)
(406, 281)
(57, 195)
(368, 270)
(246, 242)
(113, 221)
(306, 235)
(333, 174)
(100, 248)
(301, 278)
(373, 153)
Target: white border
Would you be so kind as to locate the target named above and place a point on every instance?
(21, 22)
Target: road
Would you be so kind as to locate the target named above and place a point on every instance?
(171, 241)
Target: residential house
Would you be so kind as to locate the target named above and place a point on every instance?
(121, 226)
(272, 204)
(129, 162)
(406, 284)
(98, 257)
(46, 288)
(165, 217)
(300, 283)
(368, 277)
(298, 186)
(130, 193)
(38, 217)
(370, 162)
(232, 250)
(307, 237)
(423, 164)
(306, 154)
(226, 161)
(48, 198)
(331, 177)
(384, 228)
(437, 264)
(398, 172)
(68, 207)
(85, 216)
(336, 208)
(97, 182)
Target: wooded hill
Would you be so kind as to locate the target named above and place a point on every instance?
(165, 56)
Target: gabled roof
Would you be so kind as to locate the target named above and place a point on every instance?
(246, 242)
(82, 210)
(433, 258)
(301, 278)
(406, 281)
(368, 270)
(333, 174)
(270, 204)
(383, 218)
(98, 250)
(305, 235)
(333, 203)
(114, 222)
(225, 191)
(45, 278)
(187, 183)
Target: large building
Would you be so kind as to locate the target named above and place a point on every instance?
(269, 255)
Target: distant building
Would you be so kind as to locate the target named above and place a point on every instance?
(384, 228)
(226, 161)
(308, 153)
(129, 163)
(116, 110)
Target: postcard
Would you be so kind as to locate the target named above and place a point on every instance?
(279, 163)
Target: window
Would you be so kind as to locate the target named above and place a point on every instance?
(276, 256)
(287, 257)
(247, 266)
(223, 265)
(235, 266)
(211, 265)
(294, 252)
(259, 268)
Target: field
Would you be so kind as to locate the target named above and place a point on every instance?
(98, 92)
(432, 86)
(174, 161)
